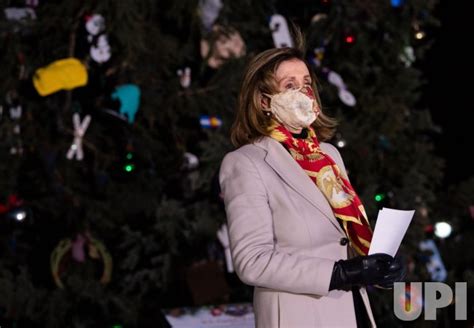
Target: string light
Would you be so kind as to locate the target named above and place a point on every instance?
(129, 167)
(443, 230)
(420, 35)
(350, 39)
(379, 197)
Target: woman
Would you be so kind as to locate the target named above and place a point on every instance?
(298, 231)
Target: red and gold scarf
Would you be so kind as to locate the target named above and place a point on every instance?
(336, 187)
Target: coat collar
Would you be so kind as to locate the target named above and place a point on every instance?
(290, 171)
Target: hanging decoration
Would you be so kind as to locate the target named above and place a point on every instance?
(79, 131)
(209, 11)
(208, 122)
(407, 56)
(100, 50)
(184, 77)
(63, 74)
(434, 264)
(32, 3)
(221, 44)
(280, 32)
(15, 110)
(19, 14)
(75, 249)
(191, 161)
(129, 97)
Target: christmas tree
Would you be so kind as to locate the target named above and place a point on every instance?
(115, 116)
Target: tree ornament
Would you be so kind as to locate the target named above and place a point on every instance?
(222, 44)
(67, 247)
(318, 56)
(434, 262)
(191, 161)
(15, 110)
(79, 131)
(63, 74)
(100, 51)
(208, 122)
(184, 77)
(21, 14)
(32, 3)
(318, 17)
(209, 11)
(129, 97)
(280, 32)
(407, 56)
(95, 24)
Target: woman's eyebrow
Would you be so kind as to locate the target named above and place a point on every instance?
(292, 78)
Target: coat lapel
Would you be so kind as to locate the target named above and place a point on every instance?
(293, 175)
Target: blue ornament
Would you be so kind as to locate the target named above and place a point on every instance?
(208, 122)
(129, 97)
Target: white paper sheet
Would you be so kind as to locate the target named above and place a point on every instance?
(389, 230)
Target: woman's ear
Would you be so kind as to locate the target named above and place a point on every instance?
(265, 102)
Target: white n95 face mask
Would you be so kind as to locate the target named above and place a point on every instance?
(293, 108)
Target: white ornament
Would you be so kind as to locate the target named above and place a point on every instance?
(223, 236)
(184, 77)
(336, 79)
(435, 264)
(407, 56)
(280, 32)
(191, 161)
(101, 53)
(79, 131)
(95, 24)
(347, 97)
(209, 10)
(19, 14)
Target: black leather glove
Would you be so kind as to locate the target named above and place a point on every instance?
(376, 269)
(397, 270)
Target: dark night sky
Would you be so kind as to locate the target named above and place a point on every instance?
(448, 66)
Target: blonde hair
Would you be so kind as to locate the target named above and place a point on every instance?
(251, 123)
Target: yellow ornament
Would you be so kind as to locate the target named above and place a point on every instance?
(63, 74)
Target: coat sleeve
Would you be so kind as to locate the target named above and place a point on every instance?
(252, 240)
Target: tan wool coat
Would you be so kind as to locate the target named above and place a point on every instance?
(284, 238)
